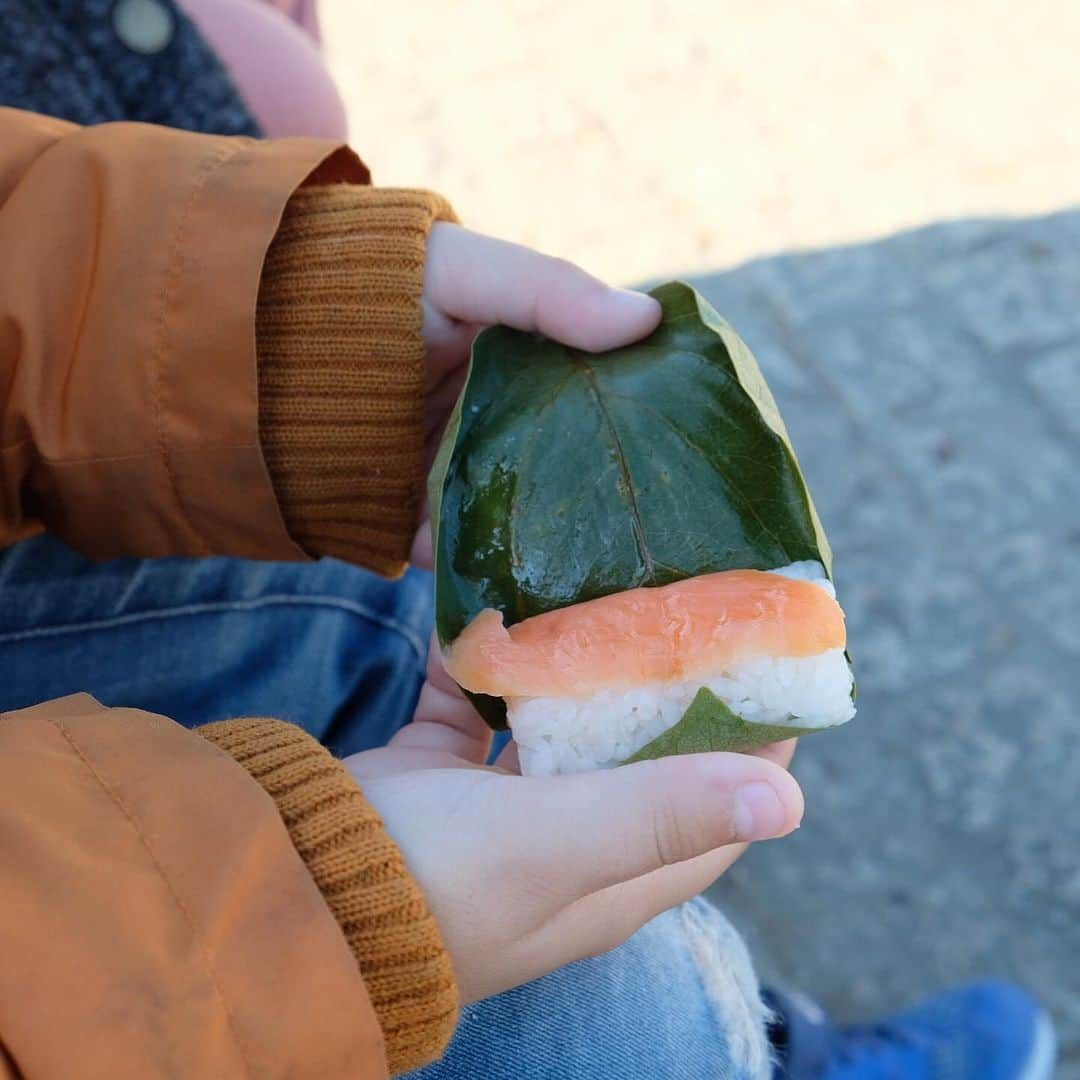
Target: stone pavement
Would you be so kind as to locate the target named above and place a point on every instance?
(931, 383)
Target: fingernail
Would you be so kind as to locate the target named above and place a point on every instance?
(759, 813)
(632, 300)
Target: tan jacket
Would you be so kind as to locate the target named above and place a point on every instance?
(207, 346)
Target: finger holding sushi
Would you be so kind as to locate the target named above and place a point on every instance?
(780, 752)
(444, 720)
(525, 874)
(472, 281)
(620, 910)
(654, 814)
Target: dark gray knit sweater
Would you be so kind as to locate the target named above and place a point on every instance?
(65, 58)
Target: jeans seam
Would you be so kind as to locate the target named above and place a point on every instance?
(741, 1023)
(350, 607)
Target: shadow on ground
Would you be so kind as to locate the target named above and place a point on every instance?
(931, 383)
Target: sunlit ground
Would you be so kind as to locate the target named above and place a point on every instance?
(644, 139)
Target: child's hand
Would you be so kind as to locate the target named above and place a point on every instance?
(527, 874)
(471, 281)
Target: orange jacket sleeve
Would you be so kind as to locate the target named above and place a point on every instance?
(155, 918)
(208, 345)
(128, 289)
(174, 904)
(183, 371)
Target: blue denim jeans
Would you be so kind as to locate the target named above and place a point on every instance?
(341, 652)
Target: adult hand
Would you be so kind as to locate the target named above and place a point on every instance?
(525, 874)
(471, 281)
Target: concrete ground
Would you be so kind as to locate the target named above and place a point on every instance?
(931, 382)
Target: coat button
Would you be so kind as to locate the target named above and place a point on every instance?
(144, 26)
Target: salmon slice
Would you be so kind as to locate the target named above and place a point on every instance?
(675, 633)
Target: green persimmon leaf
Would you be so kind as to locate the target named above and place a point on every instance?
(708, 724)
(564, 475)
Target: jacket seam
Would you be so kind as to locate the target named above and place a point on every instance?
(112, 459)
(177, 263)
(115, 799)
(6, 1055)
(61, 463)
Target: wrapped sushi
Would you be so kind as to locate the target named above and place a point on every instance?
(591, 685)
(628, 562)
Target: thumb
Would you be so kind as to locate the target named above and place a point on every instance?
(478, 279)
(594, 830)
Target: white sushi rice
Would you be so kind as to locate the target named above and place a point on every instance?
(564, 735)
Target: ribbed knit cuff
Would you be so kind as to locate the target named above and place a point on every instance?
(341, 368)
(364, 880)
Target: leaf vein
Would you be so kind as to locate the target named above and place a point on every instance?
(712, 460)
(637, 524)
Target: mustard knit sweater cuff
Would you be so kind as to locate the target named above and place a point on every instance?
(363, 878)
(341, 369)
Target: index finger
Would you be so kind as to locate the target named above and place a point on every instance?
(478, 279)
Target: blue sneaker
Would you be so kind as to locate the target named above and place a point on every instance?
(986, 1031)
